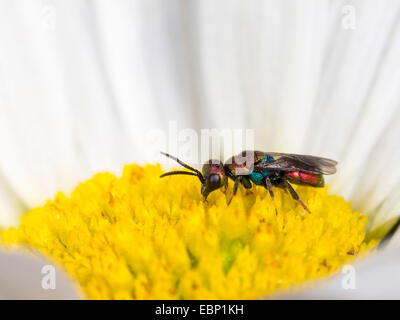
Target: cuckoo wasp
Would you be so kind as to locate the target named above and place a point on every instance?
(267, 169)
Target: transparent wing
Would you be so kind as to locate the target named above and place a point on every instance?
(297, 162)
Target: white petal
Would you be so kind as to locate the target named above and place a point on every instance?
(68, 109)
(374, 278)
(28, 277)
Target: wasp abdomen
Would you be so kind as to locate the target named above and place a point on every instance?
(315, 180)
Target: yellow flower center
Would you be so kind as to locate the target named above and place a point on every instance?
(143, 237)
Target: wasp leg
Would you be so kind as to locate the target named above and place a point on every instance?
(205, 198)
(226, 185)
(235, 187)
(294, 194)
(247, 184)
(268, 186)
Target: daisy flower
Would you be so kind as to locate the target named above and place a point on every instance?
(91, 92)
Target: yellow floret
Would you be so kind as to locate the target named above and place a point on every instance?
(142, 237)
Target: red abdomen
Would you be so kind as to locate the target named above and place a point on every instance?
(315, 180)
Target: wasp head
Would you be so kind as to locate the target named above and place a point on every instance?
(212, 176)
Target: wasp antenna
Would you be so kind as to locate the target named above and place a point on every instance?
(171, 173)
(178, 172)
(198, 173)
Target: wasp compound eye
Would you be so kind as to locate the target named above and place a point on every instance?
(213, 182)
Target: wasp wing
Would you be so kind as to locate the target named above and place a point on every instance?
(297, 162)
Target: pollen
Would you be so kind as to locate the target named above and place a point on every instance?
(141, 237)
